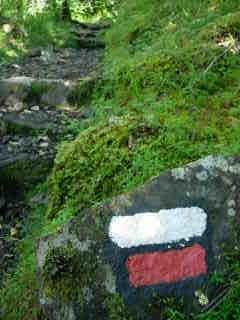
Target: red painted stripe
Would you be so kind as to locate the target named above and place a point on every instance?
(166, 267)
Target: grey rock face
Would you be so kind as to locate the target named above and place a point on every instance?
(64, 63)
(82, 271)
(52, 92)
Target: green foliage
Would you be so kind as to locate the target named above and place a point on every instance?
(38, 23)
(115, 308)
(89, 8)
(226, 304)
(19, 294)
(122, 152)
(167, 308)
(33, 32)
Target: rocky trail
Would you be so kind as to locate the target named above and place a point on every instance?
(38, 98)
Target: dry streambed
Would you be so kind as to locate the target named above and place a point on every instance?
(38, 100)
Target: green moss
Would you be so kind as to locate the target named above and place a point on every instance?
(19, 298)
(25, 173)
(94, 163)
(36, 90)
(66, 271)
(226, 302)
(166, 308)
(115, 308)
(81, 95)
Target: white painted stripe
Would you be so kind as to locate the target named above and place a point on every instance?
(165, 226)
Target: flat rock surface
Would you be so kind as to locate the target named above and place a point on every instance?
(66, 64)
(34, 133)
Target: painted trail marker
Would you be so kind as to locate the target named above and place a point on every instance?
(133, 251)
(166, 267)
(165, 226)
(158, 229)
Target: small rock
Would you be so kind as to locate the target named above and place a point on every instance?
(39, 198)
(2, 202)
(13, 232)
(7, 28)
(16, 66)
(27, 111)
(35, 53)
(14, 143)
(41, 153)
(35, 108)
(5, 139)
(14, 104)
(44, 138)
(44, 145)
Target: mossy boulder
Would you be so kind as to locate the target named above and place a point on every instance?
(83, 271)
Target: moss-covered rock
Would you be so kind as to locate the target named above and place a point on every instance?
(98, 159)
(76, 279)
(82, 271)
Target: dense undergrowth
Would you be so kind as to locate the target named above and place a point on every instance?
(170, 94)
(28, 24)
(32, 32)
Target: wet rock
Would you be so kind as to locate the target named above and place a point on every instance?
(19, 160)
(17, 89)
(3, 127)
(39, 198)
(164, 239)
(87, 37)
(35, 108)
(14, 88)
(14, 104)
(36, 52)
(17, 92)
(94, 26)
(89, 43)
(2, 202)
(7, 28)
(64, 63)
(27, 120)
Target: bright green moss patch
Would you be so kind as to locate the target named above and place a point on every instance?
(19, 297)
(115, 308)
(118, 155)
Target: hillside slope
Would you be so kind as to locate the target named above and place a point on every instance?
(170, 94)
